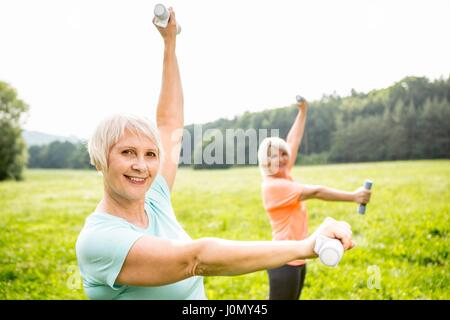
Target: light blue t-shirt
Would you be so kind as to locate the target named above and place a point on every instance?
(105, 240)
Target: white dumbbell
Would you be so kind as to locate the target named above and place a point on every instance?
(162, 17)
(330, 251)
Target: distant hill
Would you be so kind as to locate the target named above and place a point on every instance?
(39, 138)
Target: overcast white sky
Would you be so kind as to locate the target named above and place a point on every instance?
(75, 61)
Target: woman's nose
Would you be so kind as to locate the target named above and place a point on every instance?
(139, 164)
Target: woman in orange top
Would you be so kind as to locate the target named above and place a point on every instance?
(284, 201)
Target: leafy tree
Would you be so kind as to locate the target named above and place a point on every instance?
(13, 152)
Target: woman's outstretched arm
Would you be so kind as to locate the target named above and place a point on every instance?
(360, 195)
(155, 261)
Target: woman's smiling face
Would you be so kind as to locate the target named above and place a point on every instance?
(133, 163)
(278, 160)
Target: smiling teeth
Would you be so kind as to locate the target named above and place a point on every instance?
(137, 179)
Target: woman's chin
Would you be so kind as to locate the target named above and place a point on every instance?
(135, 196)
(280, 171)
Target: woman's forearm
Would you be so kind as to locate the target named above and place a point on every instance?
(170, 106)
(295, 135)
(329, 194)
(218, 257)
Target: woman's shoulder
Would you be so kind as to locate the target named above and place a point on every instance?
(159, 190)
(100, 224)
(102, 230)
(273, 182)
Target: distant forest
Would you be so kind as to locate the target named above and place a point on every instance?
(409, 120)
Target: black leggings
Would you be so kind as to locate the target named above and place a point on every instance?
(286, 282)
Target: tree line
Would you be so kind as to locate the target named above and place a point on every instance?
(408, 120)
(59, 155)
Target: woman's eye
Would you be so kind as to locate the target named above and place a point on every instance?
(151, 154)
(127, 152)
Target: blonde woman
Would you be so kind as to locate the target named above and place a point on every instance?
(132, 246)
(284, 202)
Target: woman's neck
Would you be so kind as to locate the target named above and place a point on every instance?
(132, 211)
(282, 174)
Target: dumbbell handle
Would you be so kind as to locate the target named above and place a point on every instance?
(362, 207)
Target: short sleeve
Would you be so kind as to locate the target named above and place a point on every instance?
(101, 252)
(280, 193)
(159, 190)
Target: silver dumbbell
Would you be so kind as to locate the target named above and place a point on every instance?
(362, 207)
(299, 98)
(162, 17)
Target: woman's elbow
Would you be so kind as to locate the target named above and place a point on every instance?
(311, 192)
(192, 262)
(202, 262)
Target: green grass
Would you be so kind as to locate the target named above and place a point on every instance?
(403, 240)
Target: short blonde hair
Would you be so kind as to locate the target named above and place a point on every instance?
(111, 129)
(263, 152)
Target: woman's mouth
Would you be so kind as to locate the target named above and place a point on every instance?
(135, 180)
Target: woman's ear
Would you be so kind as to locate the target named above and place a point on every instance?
(99, 170)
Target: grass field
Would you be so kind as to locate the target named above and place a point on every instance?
(403, 240)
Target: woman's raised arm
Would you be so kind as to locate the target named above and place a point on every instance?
(295, 134)
(169, 113)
